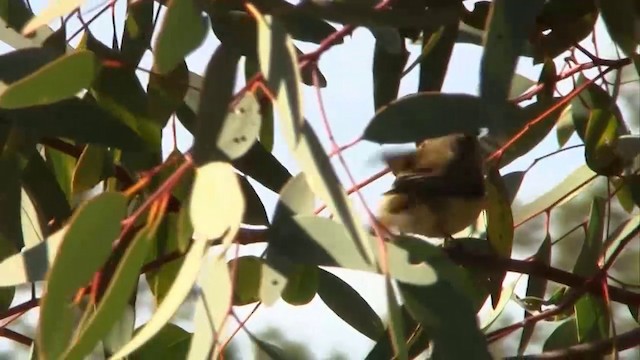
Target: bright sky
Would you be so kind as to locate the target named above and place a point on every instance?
(349, 106)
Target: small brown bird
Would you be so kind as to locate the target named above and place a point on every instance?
(439, 189)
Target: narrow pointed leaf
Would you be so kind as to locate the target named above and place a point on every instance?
(54, 10)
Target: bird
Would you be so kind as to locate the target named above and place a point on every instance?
(439, 189)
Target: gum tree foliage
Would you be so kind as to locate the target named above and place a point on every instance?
(80, 139)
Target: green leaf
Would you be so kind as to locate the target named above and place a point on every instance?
(592, 98)
(600, 137)
(254, 213)
(347, 304)
(536, 287)
(387, 73)
(295, 198)
(278, 64)
(302, 285)
(325, 184)
(202, 340)
(138, 29)
(248, 271)
(628, 146)
(171, 342)
(512, 182)
(100, 217)
(10, 199)
(434, 64)
(60, 79)
(499, 217)
(561, 25)
(266, 136)
(263, 167)
(535, 133)
(419, 116)
(396, 331)
(62, 167)
(580, 177)
(215, 96)
(519, 84)
(115, 298)
(179, 291)
(183, 30)
(565, 335)
(621, 19)
(54, 10)
(166, 92)
(564, 126)
(90, 169)
(168, 240)
(75, 119)
(447, 315)
(14, 15)
(592, 319)
(215, 283)
(509, 26)
(355, 14)
(587, 262)
(216, 205)
(500, 230)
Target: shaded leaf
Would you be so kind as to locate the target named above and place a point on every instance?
(576, 179)
(262, 166)
(509, 26)
(10, 200)
(347, 304)
(621, 19)
(387, 73)
(433, 66)
(138, 29)
(171, 341)
(628, 146)
(254, 214)
(565, 335)
(415, 117)
(592, 318)
(536, 287)
(75, 119)
(166, 92)
(217, 94)
(396, 331)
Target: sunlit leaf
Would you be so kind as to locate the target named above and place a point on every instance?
(277, 59)
(100, 217)
(216, 205)
(576, 179)
(61, 79)
(183, 30)
(215, 96)
(185, 280)
(54, 10)
(115, 298)
(90, 168)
